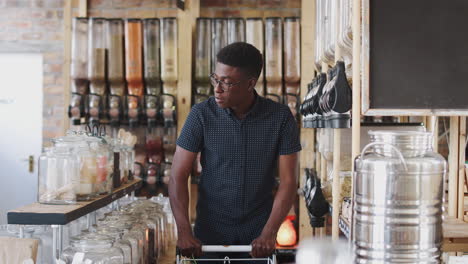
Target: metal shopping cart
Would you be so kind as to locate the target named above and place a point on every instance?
(226, 260)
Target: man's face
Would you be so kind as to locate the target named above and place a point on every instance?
(236, 94)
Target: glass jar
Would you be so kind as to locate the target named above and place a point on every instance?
(97, 56)
(125, 224)
(88, 173)
(133, 57)
(169, 69)
(273, 50)
(115, 58)
(292, 50)
(117, 234)
(220, 38)
(236, 30)
(58, 176)
(97, 251)
(151, 56)
(202, 51)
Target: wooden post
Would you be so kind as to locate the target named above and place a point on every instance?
(307, 74)
(186, 32)
(453, 166)
(461, 169)
(356, 112)
(67, 22)
(336, 149)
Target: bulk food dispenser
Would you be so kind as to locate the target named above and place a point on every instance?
(134, 69)
(236, 30)
(96, 70)
(274, 58)
(254, 36)
(115, 69)
(152, 70)
(79, 69)
(203, 60)
(220, 38)
(292, 62)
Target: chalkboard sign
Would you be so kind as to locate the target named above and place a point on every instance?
(415, 57)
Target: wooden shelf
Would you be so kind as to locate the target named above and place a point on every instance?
(455, 235)
(46, 214)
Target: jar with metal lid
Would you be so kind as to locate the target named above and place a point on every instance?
(93, 251)
(398, 199)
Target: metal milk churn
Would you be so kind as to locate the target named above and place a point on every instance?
(398, 199)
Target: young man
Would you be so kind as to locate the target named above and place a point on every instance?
(243, 139)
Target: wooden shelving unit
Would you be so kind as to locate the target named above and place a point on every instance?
(45, 214)
(455, 229)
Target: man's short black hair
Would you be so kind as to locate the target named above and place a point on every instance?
(242, 55)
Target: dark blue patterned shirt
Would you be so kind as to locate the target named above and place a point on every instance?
(239, 159)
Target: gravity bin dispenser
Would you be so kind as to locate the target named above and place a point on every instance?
(152, 69)
(134, 70)
(115, 70)
(79, 69)
(96, 70)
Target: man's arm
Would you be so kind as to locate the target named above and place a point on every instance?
(265, 244)
(179, 197)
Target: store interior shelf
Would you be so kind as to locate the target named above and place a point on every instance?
(455, 235)
(45, 214)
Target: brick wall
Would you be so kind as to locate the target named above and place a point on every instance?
(37, 26)
(250, 8)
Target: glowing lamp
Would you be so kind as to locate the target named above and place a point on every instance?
(287, 233)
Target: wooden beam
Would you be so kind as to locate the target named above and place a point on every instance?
(83, 8)
(356, 111)
(336, 194)
(307, 134)
(453, 166)
(461, 169)
(186, 31)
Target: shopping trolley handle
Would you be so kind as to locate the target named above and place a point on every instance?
(222, 248)
(227, 248)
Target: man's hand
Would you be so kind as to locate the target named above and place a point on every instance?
(189, 246)
(264, 245)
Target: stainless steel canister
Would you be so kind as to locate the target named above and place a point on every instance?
(398, 199)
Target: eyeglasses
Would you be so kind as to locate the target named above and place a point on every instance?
(224, 86)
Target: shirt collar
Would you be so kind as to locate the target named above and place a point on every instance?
(254, 109)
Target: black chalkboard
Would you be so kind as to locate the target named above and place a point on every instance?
(418, 54)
